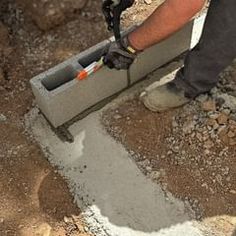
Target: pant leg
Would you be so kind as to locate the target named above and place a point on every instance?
(214, 52)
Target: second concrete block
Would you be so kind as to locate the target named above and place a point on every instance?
(160, 54)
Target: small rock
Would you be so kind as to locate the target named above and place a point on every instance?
(222, 131)
(228, 179)
(209, 105)
(44, 230)
(174, 124)
(230, 101)
(216, 126)
(149, 169)
(214, 90)
(232, 191)
(233, 123)
(205, 185)
(66, 219)
(226, 170)
(183, 152)
(189, 126)
(222, 119)
(233, 117)
(214, 116)
(169, 153)
(207, 152)
(211, 122)
(144, 163)
(163, 156)
(231, 134)
(155, 175)
(117, 116)
(202, 98)
(208, 144)
(148, 2)
(225, 139)
(3, 118)
(219, 179)
(199, 137)
(232, 142)
(86, 229)
(175, 149)
(205, 137)
(226, 111)
(220, 101)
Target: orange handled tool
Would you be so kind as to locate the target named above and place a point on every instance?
(92, 68)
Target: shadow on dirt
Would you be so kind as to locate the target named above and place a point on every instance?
(54, 198)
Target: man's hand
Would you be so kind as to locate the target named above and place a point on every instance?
(119, 55)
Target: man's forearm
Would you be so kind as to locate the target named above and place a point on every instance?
(171, 16)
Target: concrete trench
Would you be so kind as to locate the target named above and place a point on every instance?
(116, 198)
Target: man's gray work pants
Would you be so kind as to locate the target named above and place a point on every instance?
(214, 52)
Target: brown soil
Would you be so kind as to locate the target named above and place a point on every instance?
(34, 197)
(48, 14)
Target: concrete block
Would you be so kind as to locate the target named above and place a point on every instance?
(160, 54)
(60, 102)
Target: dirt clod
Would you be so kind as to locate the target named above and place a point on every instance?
(48, 14)
(44, 230)
(222, 119)
(209, 105)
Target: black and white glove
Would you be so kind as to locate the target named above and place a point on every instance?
(120, 55)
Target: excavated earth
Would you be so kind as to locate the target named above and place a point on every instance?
(190, 151)
(34, 36)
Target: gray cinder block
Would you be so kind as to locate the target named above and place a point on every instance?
(61, 97)
(160, 54)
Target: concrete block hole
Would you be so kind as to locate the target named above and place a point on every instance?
(68, 73)
(93, 56)
(59, 78)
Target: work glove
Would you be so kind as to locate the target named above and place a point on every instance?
(120, 55)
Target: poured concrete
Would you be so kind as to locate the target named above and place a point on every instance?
(117, 199)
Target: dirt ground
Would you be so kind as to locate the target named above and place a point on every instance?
(34, 198)
(190, 151)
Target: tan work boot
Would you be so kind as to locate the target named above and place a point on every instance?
(161, 97)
